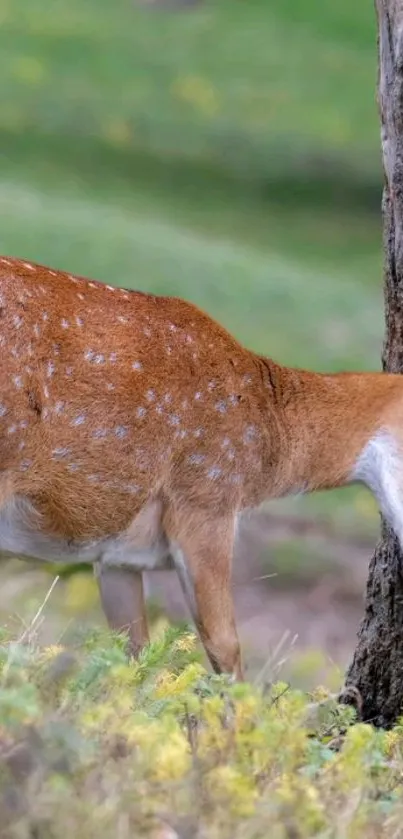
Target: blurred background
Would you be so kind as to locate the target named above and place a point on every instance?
(227, 152)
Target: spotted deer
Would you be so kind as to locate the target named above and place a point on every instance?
(135, 431)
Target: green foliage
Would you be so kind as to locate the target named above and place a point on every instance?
(94, 745)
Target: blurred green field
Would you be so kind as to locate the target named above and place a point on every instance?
(228, 154)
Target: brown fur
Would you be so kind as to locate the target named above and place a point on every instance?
(131, 413)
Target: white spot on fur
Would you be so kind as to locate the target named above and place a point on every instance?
(79, 420)
(249, 434)
(132, 488)
(51, 367)
(121, 431)
(61, 451)
(29, 266)
(141, 412)
(17, 381)
(137, 365)
(100, 433)
(196, 459)
(79, 321)
(3, 410)
(65, 323)
(214, 472)
(17, 321)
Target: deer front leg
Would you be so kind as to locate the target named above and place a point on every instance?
(122, 598)
(202, 555)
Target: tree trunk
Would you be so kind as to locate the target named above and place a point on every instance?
(375, 675)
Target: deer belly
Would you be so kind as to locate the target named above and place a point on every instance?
(22, 536)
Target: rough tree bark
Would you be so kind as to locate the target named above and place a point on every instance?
(376, 672)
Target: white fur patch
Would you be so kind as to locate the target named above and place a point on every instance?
(380, 467)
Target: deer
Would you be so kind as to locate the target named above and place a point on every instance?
(136, 431)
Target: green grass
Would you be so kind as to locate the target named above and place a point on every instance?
(228, 83)
(92, 745)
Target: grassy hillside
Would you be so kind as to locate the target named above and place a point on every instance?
(228, 83)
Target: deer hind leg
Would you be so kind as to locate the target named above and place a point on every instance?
(122, 598)
(202, 556)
